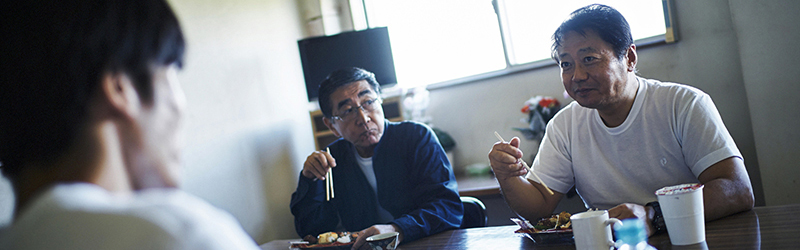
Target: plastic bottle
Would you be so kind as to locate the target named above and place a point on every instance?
(631, 235)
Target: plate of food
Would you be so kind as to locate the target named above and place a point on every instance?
(549, 230)
(327, 241)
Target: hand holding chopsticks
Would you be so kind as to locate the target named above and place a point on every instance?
(525, 164)
(319, 166)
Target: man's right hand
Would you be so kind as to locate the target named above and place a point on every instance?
(505, 160)
(317, 165)
(527, 198)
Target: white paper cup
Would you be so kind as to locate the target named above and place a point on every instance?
(592, 230)
(682, 207)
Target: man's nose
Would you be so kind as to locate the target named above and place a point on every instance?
(579, 74)
(363, 116)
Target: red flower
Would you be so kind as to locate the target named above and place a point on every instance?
(548, 102)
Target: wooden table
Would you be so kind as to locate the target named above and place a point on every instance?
(776, 227)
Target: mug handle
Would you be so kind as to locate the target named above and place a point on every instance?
(609, 222)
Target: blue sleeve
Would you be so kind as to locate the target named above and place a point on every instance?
(312, 214)
(438, 206)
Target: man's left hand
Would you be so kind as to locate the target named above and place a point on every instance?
(630, 210)
(375, 230)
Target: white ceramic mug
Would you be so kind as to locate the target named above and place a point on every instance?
(592, 230)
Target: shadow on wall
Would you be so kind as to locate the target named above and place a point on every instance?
(279, 180)
(250, 174)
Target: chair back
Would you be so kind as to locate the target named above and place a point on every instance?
(474, 212)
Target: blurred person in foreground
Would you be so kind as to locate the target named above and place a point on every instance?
(90, 110)
(624, 136)
(388, 176)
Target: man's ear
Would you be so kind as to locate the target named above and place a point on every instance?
(118, 91)
(329, 124)
(632, 58)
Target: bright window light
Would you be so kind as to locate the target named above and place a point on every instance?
(441, 40)
(531, 24)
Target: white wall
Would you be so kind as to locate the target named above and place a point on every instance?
(248, 129)
(768, 34)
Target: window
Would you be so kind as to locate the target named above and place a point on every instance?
(530, 26)
(441, 40)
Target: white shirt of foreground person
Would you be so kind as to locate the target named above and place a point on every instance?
(671, 135)
(86, 216)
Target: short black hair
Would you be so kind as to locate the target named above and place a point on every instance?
(56, 55)
(339, 78)
(609, 24)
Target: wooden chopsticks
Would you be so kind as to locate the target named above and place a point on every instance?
(329, 193)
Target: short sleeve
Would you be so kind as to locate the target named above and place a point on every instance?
(703, 136)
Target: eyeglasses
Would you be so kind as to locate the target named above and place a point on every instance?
(367, 106)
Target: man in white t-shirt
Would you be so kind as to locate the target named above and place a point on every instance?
(624, 136)
(90, 110)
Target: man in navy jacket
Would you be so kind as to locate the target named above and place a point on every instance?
(388, 176)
